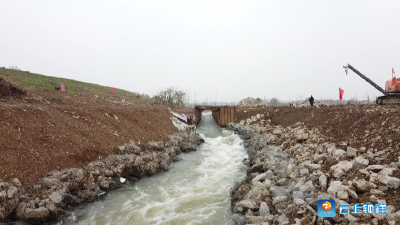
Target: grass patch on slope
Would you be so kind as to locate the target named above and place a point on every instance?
(33, 81)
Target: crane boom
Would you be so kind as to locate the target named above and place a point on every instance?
(366, 79)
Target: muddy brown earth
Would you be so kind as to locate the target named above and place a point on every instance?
(41, 131)
(357, 125)
(8, 90)
(59, 150)
(300, 155)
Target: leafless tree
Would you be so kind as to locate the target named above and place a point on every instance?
(170, 96)
(14, 68)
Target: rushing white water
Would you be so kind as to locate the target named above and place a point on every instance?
(194, 191)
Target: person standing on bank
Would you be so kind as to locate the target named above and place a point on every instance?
(311, 101)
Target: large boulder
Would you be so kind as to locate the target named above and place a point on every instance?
(363, 185)
(3, 196)
(301, 135)
(343, 165)
(260, 177)
(375, 168)
(351, 152)
(391, 182)
(323, 181)
(375, 178)
(277, 131)
(279, 199)
(387, 171)
(257, 168)
(12, 192)
(264, 209)
(320, 157)
(339, 153)
(16, 182)
(361, 162)
(128, 148)
(155, 146)
(247, 204)
(337, 186)
(254, 219)
(187, 147)
(56, 197)
(304, 172)
(38, 213)
(307, 187)
(312, 167)
(396, 217)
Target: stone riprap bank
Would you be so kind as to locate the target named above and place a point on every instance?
(291, 168)
(51, 198)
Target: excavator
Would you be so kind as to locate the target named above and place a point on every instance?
(391, 94)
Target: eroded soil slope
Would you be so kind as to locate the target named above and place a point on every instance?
(52, 130)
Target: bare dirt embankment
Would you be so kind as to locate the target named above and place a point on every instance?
(62, 149)
(41, 131)
(300, 155)
(358, 125)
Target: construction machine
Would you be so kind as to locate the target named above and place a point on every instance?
(391, 94)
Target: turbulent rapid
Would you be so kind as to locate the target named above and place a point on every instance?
(196, 190)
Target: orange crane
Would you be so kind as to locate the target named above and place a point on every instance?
(391, 94)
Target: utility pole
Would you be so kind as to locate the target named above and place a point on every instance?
(216, 96)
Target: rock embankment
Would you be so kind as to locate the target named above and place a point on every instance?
(292, 168)
(51, 197)
(252, 102)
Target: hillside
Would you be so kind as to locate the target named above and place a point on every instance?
(42, 129)
(32, 81)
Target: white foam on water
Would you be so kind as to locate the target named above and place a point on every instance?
(195, 191)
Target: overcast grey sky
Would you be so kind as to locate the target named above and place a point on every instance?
(283, 49)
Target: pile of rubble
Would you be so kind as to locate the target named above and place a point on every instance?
(253, 102)
(292, 168)
(306, 103)
(51, 198)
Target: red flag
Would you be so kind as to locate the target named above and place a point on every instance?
(112, 90)
(341, 91)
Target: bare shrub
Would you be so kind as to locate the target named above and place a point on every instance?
(14, 68)
(170, 96)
